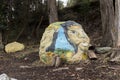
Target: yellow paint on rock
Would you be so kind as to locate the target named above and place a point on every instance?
(14, 47)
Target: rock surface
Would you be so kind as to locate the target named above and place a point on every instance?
(14, 47)
(66, 40)
(6, 77)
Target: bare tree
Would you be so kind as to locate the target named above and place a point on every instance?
(52, 11)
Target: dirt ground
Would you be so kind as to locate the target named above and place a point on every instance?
(27, 68)
(25, 65)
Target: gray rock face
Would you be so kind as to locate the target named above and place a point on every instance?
(6, 77)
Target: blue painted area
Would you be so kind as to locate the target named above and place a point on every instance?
(62, 42)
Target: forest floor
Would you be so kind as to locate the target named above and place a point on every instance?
(25, 65)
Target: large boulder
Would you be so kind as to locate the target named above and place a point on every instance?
(66, 40)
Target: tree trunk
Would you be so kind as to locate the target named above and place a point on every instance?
(110, 15)
(107, 16)
(116, 54)
(52, 11)
(117, 22)
(1, 44)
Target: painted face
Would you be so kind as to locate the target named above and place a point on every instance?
(68, 40)
(77, 35)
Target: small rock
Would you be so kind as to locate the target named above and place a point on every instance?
(6, 77)
(14, 47)
(102, 49)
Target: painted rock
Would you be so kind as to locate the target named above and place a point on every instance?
(66, 40)
(14, 47)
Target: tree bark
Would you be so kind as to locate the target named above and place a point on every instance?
(52, 11)
(116, 54)
(110, 15)
(107, 17)
(117, 22)
(1, 43)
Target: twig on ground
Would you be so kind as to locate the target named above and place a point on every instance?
(78, 68)
(62, 68)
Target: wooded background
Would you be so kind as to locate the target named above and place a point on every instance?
(26, 17)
